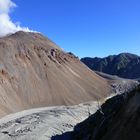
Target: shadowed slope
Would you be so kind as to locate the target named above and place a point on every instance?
(117, 119)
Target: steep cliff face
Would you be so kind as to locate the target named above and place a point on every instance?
(35, 72)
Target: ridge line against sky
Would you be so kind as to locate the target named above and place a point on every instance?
(84, 27)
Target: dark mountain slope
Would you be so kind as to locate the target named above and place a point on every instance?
(124, 65)
(117, 119)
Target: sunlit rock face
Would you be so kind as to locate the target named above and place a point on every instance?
(35, 72)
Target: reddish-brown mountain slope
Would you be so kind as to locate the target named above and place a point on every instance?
(35, 72)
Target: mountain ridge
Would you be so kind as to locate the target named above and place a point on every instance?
(125, 65)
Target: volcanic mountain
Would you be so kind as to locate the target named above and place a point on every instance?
(124, 65)
(35, 72)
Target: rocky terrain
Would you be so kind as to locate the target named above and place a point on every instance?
(35, 72)
(43, 123)
(119, 85)
(57, 123)
(117, 119)
(124, 65)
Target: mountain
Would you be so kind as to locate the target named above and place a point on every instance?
(124, 65)
(35, 72)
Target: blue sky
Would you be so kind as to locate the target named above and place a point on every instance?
(84, 27)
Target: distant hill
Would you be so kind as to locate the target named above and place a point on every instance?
(124, 65)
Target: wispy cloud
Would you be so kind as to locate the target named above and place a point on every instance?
(6, 24)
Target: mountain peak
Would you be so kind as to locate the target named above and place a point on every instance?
(35, 72)
(21, 34)
(30, 38)
(128, 55)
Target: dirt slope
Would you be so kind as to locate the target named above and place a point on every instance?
(35, 72)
